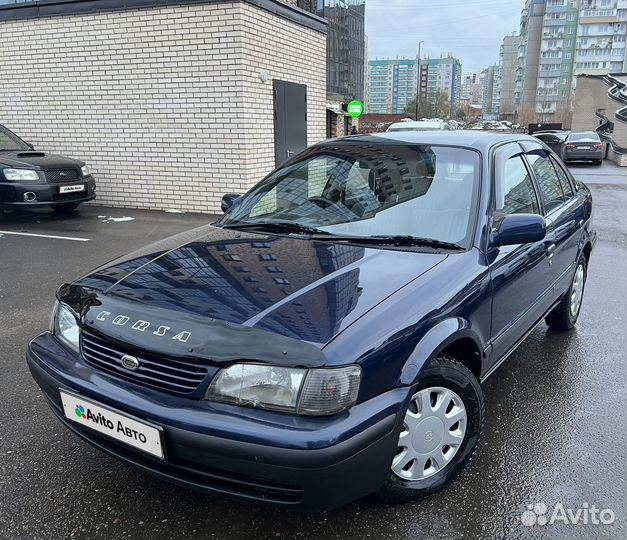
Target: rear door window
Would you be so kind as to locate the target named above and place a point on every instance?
(567, 187)
(548, 181)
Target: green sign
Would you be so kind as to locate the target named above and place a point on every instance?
(355, 109)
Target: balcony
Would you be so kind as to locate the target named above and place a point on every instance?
(546, 108)
(553, 35)
(593, 13)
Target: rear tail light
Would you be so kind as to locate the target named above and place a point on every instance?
(570, 147)
(598, 146)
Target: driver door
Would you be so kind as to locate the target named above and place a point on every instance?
(520, 273)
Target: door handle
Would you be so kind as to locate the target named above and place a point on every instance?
(550, 251)
(290, 153)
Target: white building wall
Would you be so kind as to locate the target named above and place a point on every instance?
(165, 104)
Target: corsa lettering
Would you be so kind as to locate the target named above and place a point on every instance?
(141, 325)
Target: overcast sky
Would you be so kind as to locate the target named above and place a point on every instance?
(471, 30)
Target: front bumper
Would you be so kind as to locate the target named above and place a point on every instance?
(310, 464)
(12, 194)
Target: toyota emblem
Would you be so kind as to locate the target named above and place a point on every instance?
(130, 362)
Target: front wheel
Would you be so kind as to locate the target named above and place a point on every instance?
(440, 432)
(564, 316)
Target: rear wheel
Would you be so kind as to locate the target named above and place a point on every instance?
(564, 316)
(440, 432)
(598, 162)
(66, 208)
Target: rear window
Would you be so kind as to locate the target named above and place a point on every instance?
(591, 137)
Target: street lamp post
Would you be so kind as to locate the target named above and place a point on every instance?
(418, 80)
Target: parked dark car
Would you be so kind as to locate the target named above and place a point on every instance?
(31, 179)
(327, 337)
(555, 139)
(585, 146)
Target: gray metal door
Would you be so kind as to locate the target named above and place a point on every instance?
(290, 120)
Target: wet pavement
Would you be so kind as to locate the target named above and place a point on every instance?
(556, 428)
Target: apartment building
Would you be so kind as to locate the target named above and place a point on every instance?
(441, 75)
(346, 57)
(561, 39)
(508, 64)
(472, 88)
(601, 36)
(391, 85)
(491, 78)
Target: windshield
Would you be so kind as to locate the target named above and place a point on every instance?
(10, 141)
(371, 190)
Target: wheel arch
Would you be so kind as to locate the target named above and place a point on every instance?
(454, 337)
(587, 251)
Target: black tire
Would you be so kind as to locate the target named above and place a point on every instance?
(561, 317)
(598, 162)
(66, 208)
(445, 372)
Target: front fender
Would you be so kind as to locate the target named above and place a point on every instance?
(434, 342)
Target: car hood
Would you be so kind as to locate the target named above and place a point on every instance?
(220, 284)
(31, 159)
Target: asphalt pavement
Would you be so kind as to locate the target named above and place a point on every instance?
(556, 429)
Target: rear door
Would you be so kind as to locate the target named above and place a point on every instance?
(564, 213)
(521, 283)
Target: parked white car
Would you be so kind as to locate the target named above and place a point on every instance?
(423, 125)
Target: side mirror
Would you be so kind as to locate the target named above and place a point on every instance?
(520, 229)
(228, 201)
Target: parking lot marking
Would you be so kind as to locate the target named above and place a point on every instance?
(51, 236)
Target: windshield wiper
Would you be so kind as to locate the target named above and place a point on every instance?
(278, 226)
(399, 240)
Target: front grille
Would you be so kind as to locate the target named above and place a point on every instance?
(58, 176)
(157, 372)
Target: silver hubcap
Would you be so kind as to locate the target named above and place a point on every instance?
(576, 291)
(433, 431)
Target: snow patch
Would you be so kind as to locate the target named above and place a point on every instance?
(112, 219)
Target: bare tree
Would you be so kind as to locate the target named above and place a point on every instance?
(437, 105)
(527, 114)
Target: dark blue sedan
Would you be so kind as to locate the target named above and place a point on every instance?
(327, 337)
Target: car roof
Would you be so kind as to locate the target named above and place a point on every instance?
(480, 140)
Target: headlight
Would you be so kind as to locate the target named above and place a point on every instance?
(314, 392)
(85, 170)
(65, 326)
(21, 175)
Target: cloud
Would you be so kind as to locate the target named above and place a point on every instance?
(470, 30)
